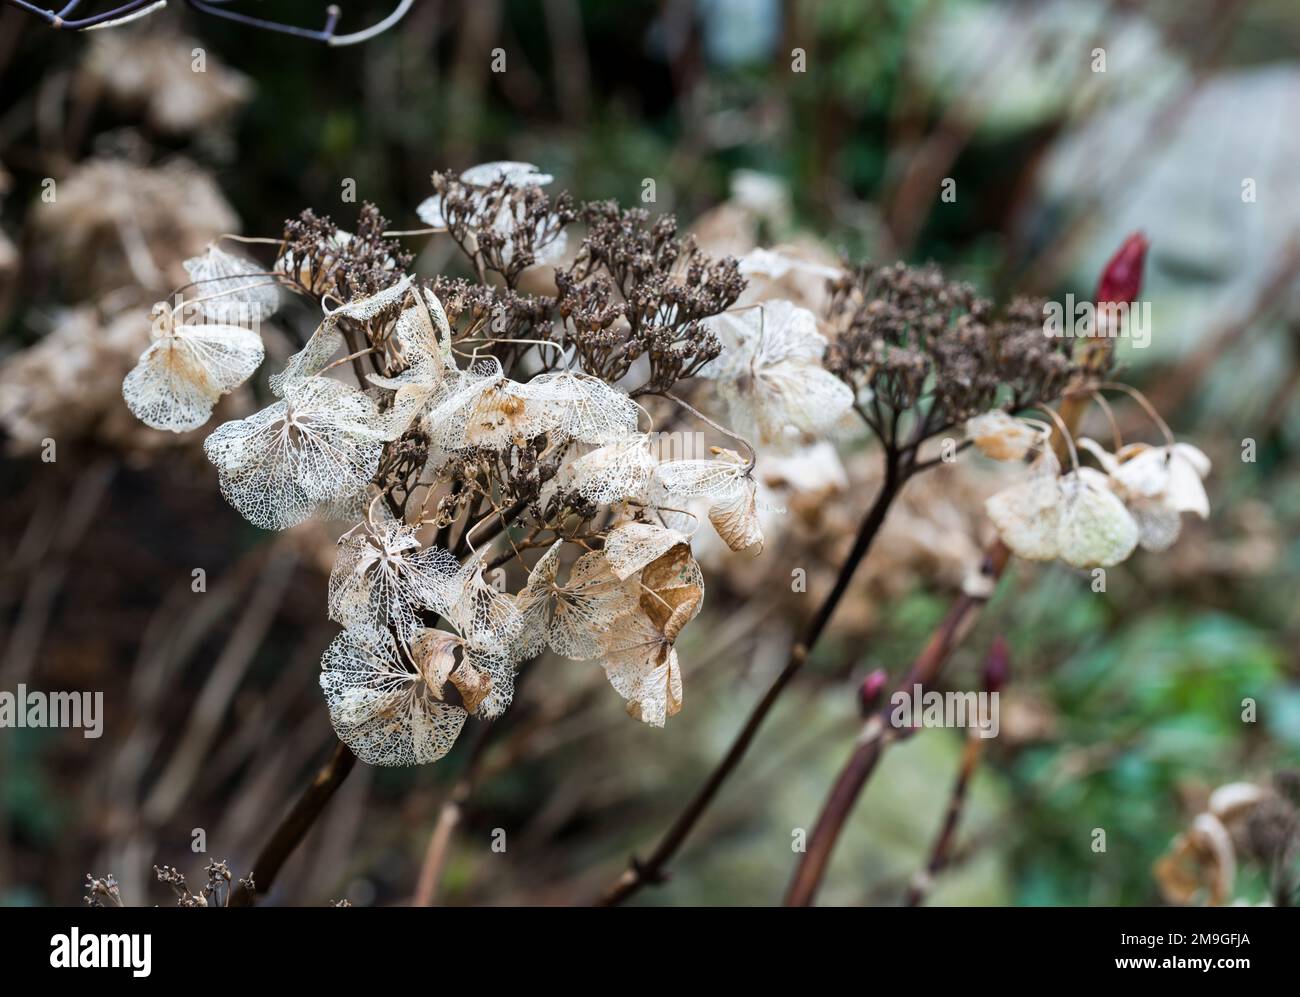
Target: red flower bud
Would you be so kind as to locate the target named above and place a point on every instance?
(997, 666)
(1121, 278)
(869, 692)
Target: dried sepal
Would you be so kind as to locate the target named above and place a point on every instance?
(314, 357)
(727, 483)
(231, 288)
(1001, 436)
(642, 666)
(1157, 484)
(640, 660)
(326, 341)
(315, 446)
(574, 618)
(1201, 862)
(771, 376)
(381, 707)
(631, 545)
(588, 409)
(615, 472)
(1095, 530)
(485, 409)
(383, 578)
(482, 614)
(1074, 517)
(186, 369)
(1026, 514)
(482, 676)
(424, 335)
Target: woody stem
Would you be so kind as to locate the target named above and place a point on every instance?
(295, 826)
(878, 731)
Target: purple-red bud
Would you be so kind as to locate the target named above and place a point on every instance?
(1121, 278)
(997, 665)
(869, 692)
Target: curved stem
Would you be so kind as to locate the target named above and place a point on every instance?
(941, 849)
(753, 454)
(117, 15)
(376, 29)
(1142, 400)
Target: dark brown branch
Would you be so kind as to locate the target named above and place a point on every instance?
(295, 826)
(878, 732)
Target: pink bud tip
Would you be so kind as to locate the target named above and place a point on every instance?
(870, 690)
(1121, 278)
(997, 666)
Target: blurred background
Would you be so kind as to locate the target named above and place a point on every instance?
(829, 125)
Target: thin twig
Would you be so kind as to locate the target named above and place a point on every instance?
(449, 815)
(941, 849)
(878, 732)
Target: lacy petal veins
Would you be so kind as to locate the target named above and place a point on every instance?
(385, 707)
(770, 374)
(186, 370)
(319, 444)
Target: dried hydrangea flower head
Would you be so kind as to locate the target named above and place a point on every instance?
(116, 224)
(907, 340)
(469, 433)
(154, 71)
(1242, 824)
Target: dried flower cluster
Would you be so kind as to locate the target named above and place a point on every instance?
(638, 290)
(466, 435)
(459, 425)
(906, 338)
(1090, 518)
(216, 891)
(158, 73)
